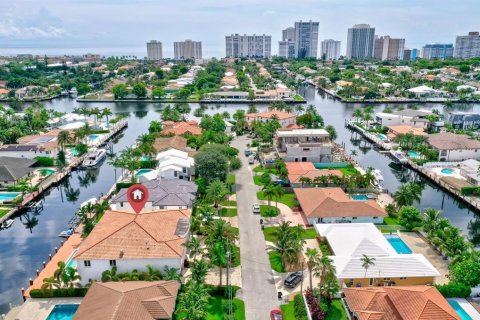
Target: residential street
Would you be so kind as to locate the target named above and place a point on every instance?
(258, 285)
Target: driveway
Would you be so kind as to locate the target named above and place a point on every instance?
(258, 285)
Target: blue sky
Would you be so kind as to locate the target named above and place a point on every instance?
(130, 23)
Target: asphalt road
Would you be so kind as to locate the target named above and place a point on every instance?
(258, 287)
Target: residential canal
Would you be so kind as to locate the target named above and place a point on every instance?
(33, 237)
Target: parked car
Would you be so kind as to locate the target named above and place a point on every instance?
(293, 279)
(276, 315)
(256, 208)
(248, 152)
(251, 160)
(281, 183)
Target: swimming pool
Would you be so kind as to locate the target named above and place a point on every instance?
(142, 171)
(412, 154)
(92, 137)
(382, 136)
(459, 310)
(63, 312)
(8, 196)
(446, 171)
(46, 172)
(75, 152)
(398, 244)
(359, 197)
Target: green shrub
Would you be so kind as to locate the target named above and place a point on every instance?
(469, 191)
(59, 293)
(235, 163)
(124, 185)
(218, 291)
(81, 148)
(454, 290)
(148, 164)
(45, 161)
(299, 306)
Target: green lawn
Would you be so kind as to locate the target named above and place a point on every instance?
(228, 212)
(298, 97)
(276, 261)
(268, 211)
(288, 311)
(336, 311)
(231, 179)
(3, 212)
(269, 233)
(256, 180)
(229, 203)
(287, 198)
(216, 311)
(262, 169)
(391, 221)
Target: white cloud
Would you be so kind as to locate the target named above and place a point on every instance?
(9, 30)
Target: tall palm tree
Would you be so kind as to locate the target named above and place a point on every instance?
(279, 192)
(194, 247)
(430, 220)
(305, 180)
(199, 270)
(299, 108)
(193, 301)
(367, 262)
(322, 266)
(218, 257)
(106, 112)
(312, 257)
(407, 194)
(63, 138)
(357, 114)
(49, 284)
(216, 192)
(269, 192)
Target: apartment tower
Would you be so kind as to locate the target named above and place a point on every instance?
(187, 49)
(244, 46)
(154, 50)
(330, 49)
(467, 47)
(360, 42)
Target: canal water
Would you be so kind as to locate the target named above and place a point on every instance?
(34, 236)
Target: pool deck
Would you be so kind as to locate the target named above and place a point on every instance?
(418, 245)
(63, 253)
(468, 308)
(38, 309)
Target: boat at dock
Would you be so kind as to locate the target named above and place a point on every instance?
(66, 233)
(64, 93)
(73, 92)
(91, 201)
(398, 157)
(378, 175)
(93, 158)
(7, 224)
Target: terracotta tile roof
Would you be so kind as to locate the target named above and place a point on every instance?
(280, 115)
(452, 141)
(312, 174)
(181, 128)
(407, 129)
(132, 300)
(299, 167)
(176, 142)
(399, 303)
(333, 202)
(127, 235)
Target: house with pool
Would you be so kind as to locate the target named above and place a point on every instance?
(128, 241)
(172, 164)
(303, 145)
(297, 170)
(162, 194)
(13, 170)
(333, 205)
(408, 117)
(32, 146)
(394, 264)
(454, 147)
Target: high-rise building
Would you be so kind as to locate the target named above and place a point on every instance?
(187, 49)
(392, 48)
(437, 51)
(378, 47)
(407, 54)
(467, 47)
(306, 39)
(286, 47)
(330, 49)
(360, 42)
(154, 50)
(238, 46)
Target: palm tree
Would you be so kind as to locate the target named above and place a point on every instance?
(194, 247)
(170, 273)
(49, 284)
(193, 301)
(63, 138)
(216, 192)
(305, 180)
(407, 194)
(153, 273)
(59, 272)
(299, 108)
(430, 220)
(70, 276)
(358, 114)
(322, 266)
(279, 192)
(95, 112)
(110, 275)
(220, 231)
(312, 257)
(218, 257)
(106, 112)
(269, 192)
(367, 262)
(145, 145)
(199, 270)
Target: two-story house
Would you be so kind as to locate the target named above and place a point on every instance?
(464, 120)
(304, 145)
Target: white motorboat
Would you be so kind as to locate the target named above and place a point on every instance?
(93, 158)
(7, 223)
(73, 92)
(398, 157)
(378, 175)
(64, 93)
(66, 233)
(89, 201)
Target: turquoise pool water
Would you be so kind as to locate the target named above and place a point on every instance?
(7, 196)
(398, 244)
(412, 154)
(145, 158)
(92, 137)
(46, 172)
(447, 171)
(142, 171)
(359, 197)
(72, 264)
(459, 310)
(75, 152)
(382, 136)
(63, 312)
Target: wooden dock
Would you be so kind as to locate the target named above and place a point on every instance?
(368, 136)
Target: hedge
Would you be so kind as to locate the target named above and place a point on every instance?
(45, 161)
(299, 307)
(124, 185)
(454, 290)
(59, 293)
(221, 291)
(148, 164)
(468, 191)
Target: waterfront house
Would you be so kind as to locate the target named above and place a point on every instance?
(31, 92)
(427, 92)
(128, 241)
(227, 95)
(303, 145)
(38, 145)
(350, 241)
(132, 300)
(398, 303)
(175, 164)
(273, 94)
(297, 170)
(464, 120)
(454, 147)
(181, 128)
(162, 194)
(394, 131)
(174, 142)
(285, 119)
(413, 118)
(333, 205)
(12, 170)
(470, 170)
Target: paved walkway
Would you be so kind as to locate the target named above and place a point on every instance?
(258, 286)
(38, 309)
(286, 214)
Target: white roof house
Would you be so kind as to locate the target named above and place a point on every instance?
(302, 133)
(174, 164)
(349, 242)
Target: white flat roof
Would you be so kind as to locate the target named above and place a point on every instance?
(301, 132)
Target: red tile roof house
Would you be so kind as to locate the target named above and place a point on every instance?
(181, 128)
(286, 120)
(297, 170)
(132, 241)
(332, 205)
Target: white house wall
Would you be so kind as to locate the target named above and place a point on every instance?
(377, 220)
